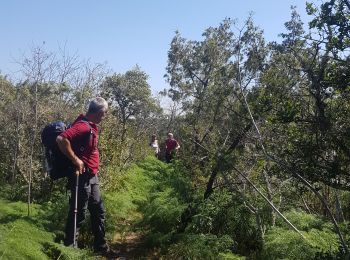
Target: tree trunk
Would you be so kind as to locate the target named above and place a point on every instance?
(219, 161)
(269, 196)
(32, 145)
(339, 211)
(15, 154)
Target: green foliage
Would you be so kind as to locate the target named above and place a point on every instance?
(55, 210)
(58, 251)
(283, 243)
(224, 214)
(164, 211)
(130, 94)
(133, 111)
(167, 199)
(333, 15)
(157, 194)
(298, 93)
(200, 246)
(211, 214)
(22, 240)
(23, 237)
(301, 220)
(286, 244)
(230, 256)
(132, 190)
(150, 193)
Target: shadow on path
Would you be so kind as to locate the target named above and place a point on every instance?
(130, 247)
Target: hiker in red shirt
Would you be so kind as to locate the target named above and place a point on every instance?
(79, 144)
(171, 147)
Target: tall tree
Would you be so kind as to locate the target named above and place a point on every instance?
(214, 79)
(208, 77)
(308, 102)
(133, 107)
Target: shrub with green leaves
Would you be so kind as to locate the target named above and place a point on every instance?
(151, 194)
(199, 246)
(167, 199)
(223, 213)
(283, 243)
(302, 221)
(230, 256)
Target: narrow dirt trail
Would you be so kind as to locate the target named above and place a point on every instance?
(129, 246)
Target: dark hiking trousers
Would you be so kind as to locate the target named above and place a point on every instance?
(89, 197)
(169, 156)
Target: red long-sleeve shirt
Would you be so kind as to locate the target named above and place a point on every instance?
(84, 140)
(170, 145)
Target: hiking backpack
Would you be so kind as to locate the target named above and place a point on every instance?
(57, 164)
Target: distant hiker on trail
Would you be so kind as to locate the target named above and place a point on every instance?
(154, 144)
(79, 144)
(171, 147)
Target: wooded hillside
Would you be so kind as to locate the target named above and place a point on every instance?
(264, 130)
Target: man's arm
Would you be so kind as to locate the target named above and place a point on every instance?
(177, 146)
(66, 148)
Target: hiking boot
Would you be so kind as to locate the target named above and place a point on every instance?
(103, 248)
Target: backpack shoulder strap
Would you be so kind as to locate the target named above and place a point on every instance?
(87, 122)
(90, 134)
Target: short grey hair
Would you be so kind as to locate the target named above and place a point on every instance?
(97, 104)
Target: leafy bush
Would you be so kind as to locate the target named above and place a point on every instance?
(166, 200)
(301, 220)
(230, 256)
(283, 243)
(199, 246)
(152, 195)
(156, 195)
(224, 214)
(122, 203)
(131, 189)
(55, 211)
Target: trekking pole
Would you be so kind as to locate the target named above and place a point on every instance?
(75, 208)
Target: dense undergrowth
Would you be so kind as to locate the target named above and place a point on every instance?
(23, 237)
(150, 198)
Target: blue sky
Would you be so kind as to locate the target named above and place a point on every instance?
(125, 33)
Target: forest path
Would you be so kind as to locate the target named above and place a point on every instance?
(129, 246)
